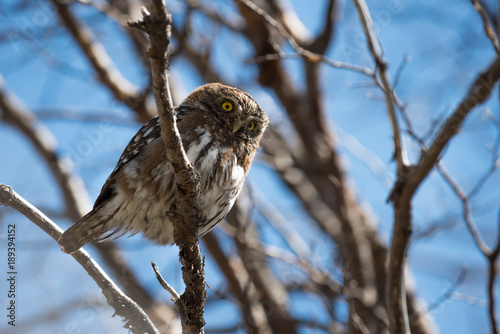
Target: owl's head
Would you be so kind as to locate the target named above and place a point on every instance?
(228, 111)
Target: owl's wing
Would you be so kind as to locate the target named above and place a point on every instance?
(150, 131)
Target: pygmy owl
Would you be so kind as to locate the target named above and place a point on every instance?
(220, 127)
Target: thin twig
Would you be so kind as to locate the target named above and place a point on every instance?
(476, 235)
(376, 51)
(447, 294)
(488, 29)
(305, 53)
(333, 63)
(164, 284)
(399, 71)
(494, 163)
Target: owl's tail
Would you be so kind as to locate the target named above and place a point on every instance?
(83, 231)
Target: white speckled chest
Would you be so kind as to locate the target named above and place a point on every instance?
(144, 211)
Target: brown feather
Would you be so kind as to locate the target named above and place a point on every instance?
(80, 233)
(142, 187)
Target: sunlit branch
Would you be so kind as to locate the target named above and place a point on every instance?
(186, 218)
(136, 320)
(488, 29)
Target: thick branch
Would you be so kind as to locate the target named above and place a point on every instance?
(184, 213)
(407, 185)
(136, 320)
(479, 91)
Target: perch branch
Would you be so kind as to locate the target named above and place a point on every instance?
(136, 320)
(184, 213)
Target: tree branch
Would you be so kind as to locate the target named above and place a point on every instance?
(488, 29)
(303, 52)
(164, 284)
(478, 93)
(406, 185)
(136, 320)
(185, 219)
(492, 276)
(376, 51)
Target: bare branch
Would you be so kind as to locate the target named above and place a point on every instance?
(305, 53)
(333, 63)
(164, 284)
(407, 184)
(376, 51)
(136, 320)
(478, 93)
(466, 209)
(185, 219)
(488, 29)
(447, 294)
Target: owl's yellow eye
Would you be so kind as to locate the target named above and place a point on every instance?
(227, 106)
(251, 126)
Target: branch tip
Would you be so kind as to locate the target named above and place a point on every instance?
(164, 284)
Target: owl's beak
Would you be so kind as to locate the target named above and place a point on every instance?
(237, 124)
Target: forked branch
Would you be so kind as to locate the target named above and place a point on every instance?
(406, 186)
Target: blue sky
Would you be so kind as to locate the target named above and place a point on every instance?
(446, 49)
